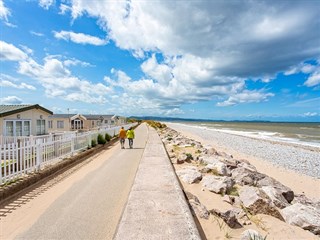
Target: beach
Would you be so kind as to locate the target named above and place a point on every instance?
(295, 166)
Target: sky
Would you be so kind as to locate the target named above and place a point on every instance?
(220, 60)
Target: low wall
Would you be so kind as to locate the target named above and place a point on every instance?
(156, 207)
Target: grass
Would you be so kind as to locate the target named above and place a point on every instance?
(11, 182)
(233, 191)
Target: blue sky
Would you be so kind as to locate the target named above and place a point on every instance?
(243, 60)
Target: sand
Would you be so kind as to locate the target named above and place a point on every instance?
(272, 228)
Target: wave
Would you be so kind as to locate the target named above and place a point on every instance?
(265, 135)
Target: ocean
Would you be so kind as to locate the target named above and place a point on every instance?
(307, 134)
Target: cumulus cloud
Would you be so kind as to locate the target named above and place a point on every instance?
(76, 62)
(204, 50)
(80, 38)
(245, 97)
(6, 83)
(11, 100)
(58, 81)
(46, 3)
(4, 11)
(312, 69)
(11, 53)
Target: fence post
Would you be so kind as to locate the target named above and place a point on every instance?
(39, 154)
(72, 144)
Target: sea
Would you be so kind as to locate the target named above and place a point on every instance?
(301, 133)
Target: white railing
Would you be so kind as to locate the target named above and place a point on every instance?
(25, 155)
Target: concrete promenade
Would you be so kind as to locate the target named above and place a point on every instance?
(156, 207)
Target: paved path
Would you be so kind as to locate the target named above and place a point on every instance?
(88, 204)
(156, 207)
(85, 205)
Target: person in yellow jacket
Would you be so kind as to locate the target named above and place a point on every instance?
(122, 136)
(130, 136)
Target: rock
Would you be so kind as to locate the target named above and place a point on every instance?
(217, 184)
(276, 196)
(219, 168)
(301, 198)
(210, 151)
(244, 176)
(286, 192)
(189, 175)
(247, 166)
(304, 216)
(181, 158)
(230, 163)
(199, 209)
(251, 234)
(229, 217)
(209, 160)
(225, 155)
(228, 199)
(256, 201)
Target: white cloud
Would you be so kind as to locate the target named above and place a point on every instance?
(311, 114)
(4, 11)
(174, 112)
(306, 68)
(46, 3)
(36, 34)
(159, 72)
(76, 62)
(58, 81)
(203, 50)
(11, 53)
(314, 79)
(246, 97)
(10, 100)
(5, 83)
(80, 38)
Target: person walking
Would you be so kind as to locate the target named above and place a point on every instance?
(130, 136)
(122, 136)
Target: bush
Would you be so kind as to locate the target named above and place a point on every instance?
(93, 143)
(101, 139)
(155, 124)
(107, 137)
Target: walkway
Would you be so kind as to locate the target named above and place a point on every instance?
(156, 207)
(90, 202)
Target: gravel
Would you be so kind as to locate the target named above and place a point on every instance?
(305, 160)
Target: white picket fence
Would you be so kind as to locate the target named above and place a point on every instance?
(23, 156)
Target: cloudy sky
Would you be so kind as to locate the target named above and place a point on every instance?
(236, 59)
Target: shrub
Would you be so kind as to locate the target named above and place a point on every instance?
(107, 137)
(93, 143)
(101, 139)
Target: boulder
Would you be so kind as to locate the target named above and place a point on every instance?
(256, 201)
(209, 160)
(183, 157)
(301, 198)
(244, 176)
(247, 166)
(286, 192)
(189, 175)
(217, 184)
(219, 168)
(304, 216)
(276, 196)
(229, 217)
(199, 209)
(210, 151)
